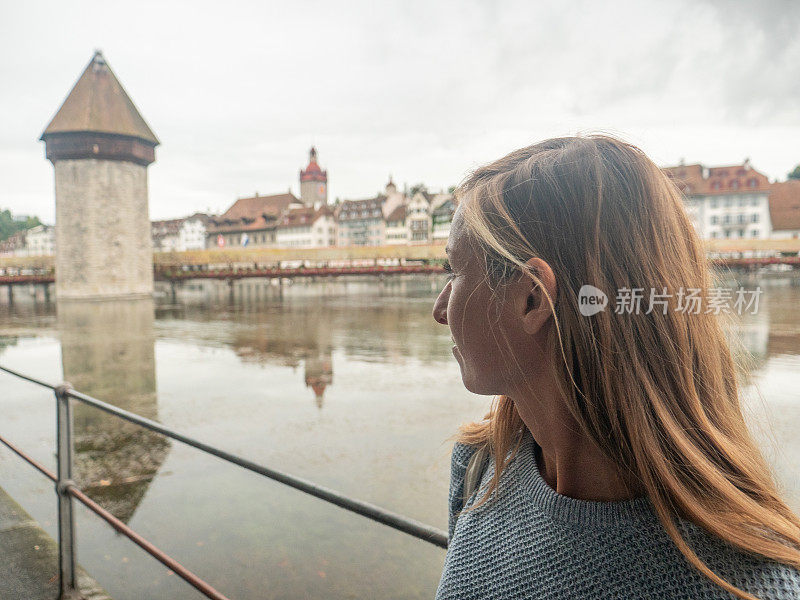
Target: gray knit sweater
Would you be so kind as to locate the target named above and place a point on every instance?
(536, 543)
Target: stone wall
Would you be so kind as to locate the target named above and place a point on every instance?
(104, 248)
(310, 193)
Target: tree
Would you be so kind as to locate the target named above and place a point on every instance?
(9, 225)
(795, 174)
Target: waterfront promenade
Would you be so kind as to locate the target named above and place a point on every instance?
(29, 568)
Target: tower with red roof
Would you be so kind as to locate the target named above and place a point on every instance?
(313, 183)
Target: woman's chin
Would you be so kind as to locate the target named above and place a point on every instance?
(475, 385)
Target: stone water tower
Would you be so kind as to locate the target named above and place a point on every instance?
(100, 147)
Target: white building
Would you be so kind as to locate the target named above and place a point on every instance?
(179, 235)
(394, 216)
(361, 222)
(442, 208)
(166, 235)
(725, 202)
(192, 234)
(306, 227)
(396, 230)
(41, 241)
(418, 218)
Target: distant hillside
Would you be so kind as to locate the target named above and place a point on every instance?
(9, 225)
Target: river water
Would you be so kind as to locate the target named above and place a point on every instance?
(351, 385)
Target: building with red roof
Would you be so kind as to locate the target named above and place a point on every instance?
(306, 227)
(250, 221)
(728, 202)
(313, 182)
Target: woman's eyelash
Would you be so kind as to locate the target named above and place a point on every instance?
(448, 269)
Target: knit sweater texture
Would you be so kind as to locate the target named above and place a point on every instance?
(536, 543)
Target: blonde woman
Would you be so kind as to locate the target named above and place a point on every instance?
(614, 462)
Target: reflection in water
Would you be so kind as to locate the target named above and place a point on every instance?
(6, 341)
(244, 375)
(107, 352)
(319, 374)
(305, 336)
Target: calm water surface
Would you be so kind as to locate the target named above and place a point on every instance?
(350, 385)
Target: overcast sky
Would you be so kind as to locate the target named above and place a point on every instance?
(237, 92)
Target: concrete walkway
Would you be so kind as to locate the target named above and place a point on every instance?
(29, 559)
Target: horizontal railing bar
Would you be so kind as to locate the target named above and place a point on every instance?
(27, 378)
(152, 550)
(120, 527)
(31, 461)
(407, 525)
(376, 513)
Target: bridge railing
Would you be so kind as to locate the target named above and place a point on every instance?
(67, 489)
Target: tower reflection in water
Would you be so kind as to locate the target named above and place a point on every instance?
(107, 351)
(298, 334)
(319, 373)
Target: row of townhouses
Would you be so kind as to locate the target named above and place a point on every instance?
(729, 202)
(285, 221)
(36, 241)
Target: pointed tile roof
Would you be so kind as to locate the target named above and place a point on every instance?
(98, 103)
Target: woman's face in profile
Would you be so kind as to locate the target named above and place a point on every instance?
(466, 304)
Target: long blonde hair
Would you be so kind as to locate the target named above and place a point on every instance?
(656, 392)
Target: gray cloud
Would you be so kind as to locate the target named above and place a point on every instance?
(237, 93)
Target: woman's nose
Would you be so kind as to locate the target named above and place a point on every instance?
(440, 306)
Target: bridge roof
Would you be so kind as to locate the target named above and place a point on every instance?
(99, 104)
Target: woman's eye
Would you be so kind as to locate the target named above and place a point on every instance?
(448, 269)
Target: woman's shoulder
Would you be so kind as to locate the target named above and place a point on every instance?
(462, 453)
(764, 578)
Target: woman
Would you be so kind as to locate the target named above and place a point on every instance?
(618, 464)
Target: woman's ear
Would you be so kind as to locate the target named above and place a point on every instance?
(536, 309)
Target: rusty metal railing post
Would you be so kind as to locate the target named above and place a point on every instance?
(66, 520)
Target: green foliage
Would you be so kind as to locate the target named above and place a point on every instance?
(795, 174)
(9, 225)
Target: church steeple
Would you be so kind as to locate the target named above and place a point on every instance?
(313, 182)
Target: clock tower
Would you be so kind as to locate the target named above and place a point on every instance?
(313, 183)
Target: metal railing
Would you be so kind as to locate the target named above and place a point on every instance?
(67, 489)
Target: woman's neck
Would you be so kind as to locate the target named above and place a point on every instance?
(582, 473)
(569, 461)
